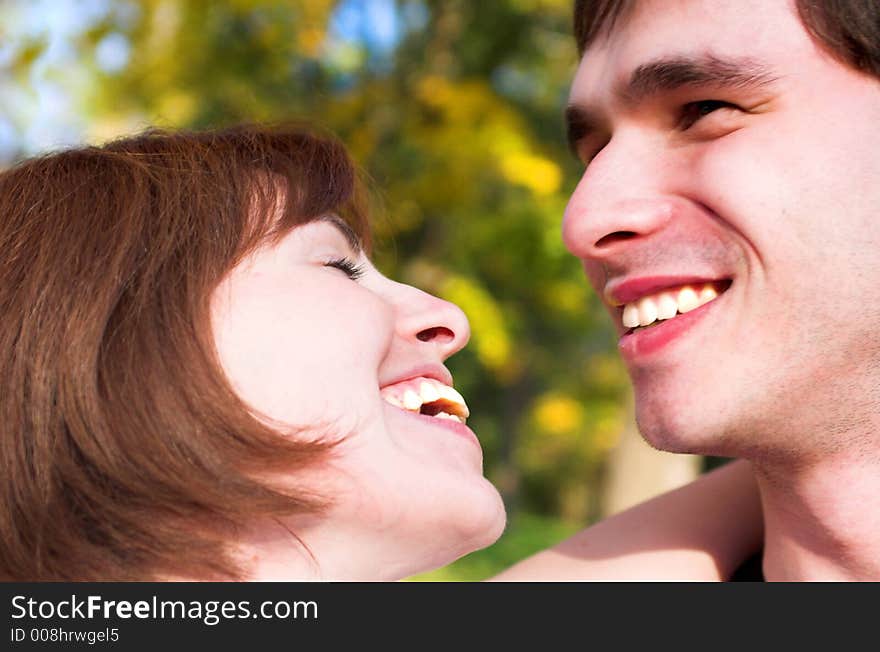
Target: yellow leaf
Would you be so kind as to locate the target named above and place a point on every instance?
(489, 335)
(559, 414)
(540, 175)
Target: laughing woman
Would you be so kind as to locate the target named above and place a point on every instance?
(204, 377)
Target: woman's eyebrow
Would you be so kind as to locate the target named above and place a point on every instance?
(351, 237)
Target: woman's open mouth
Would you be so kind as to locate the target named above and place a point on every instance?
(428, 397)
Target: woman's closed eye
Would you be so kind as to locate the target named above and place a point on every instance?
(694, 112)
(351, 269)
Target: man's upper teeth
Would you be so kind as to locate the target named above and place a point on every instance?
(667, 304)
(413, 394)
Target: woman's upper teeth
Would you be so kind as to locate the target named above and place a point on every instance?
(413, 394)
(667, 304)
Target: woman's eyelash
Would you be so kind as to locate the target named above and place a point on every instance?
(353, 270)
(693, 111)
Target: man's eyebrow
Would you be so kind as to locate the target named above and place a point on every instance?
(353, 238)
(666, 75)
(673, 73)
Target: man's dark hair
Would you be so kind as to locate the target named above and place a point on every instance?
(848, 29)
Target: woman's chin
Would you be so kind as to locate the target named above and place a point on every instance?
(484, 526)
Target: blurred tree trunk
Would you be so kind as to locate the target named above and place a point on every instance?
(636, 472)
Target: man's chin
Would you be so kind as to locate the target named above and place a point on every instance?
(676, 431)
(663, 439)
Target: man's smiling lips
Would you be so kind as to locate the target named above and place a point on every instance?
(653, 311)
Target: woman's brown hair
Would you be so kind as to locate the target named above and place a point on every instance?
(124, 452)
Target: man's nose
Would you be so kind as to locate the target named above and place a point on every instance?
(619, 200)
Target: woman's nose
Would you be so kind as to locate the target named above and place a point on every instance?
(426, 319)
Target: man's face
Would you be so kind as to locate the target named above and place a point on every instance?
(728, 155)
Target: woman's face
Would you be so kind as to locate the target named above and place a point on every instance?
(311, 335)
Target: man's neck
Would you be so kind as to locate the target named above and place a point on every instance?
(822, 521)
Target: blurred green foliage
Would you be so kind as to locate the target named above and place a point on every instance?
(457, 120)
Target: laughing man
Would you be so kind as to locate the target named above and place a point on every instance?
(729, 217)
